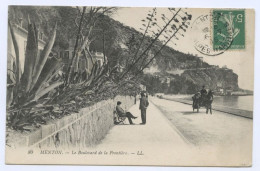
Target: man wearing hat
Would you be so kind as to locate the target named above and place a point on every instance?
(143, 106)
(122, 113)
(203, 93)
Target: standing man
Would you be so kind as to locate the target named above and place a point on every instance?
(203, 93)
(143, 106)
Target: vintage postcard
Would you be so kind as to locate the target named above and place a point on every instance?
(92, 85)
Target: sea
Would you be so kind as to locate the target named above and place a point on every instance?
(238, 102)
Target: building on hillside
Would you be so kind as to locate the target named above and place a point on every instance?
(119, 67)
(224, 66)
(85, 63)
(168, 81)
(142, 87)
(21, 38)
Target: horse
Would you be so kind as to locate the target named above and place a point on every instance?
(203, 101)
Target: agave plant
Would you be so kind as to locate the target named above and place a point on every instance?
(34, 82)
(28, 105)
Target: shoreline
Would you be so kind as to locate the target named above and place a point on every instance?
(187, 95)
(229, 110)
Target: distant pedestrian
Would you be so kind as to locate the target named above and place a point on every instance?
(203, 93)
(143, 106)
(135, 97)
(209, 102)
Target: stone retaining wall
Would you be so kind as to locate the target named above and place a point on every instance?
(83, 129)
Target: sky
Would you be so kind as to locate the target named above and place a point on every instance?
(240, 61)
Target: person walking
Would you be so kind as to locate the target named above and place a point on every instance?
(209, 102)
(143, 106)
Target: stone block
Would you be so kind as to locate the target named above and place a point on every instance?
(23, 141)
(60, 123)
(34, 137)
(48, 129)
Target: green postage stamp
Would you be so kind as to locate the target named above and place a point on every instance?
(228, 29)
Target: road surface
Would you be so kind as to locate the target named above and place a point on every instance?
(206, 129)
(174, 135)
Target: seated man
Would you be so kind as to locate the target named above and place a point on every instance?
(122, 113)
(203, 92)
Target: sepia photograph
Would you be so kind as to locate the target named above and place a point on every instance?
(130, 86)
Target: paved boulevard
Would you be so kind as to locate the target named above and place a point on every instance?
(174, 135)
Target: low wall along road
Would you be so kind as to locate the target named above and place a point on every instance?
(83, 129)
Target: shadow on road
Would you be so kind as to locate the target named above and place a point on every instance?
(191, 113)
(129, 124)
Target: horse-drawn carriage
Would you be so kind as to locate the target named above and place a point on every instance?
(202, 101)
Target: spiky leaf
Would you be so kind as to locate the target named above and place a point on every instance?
(43, 57)
(47, 90)
(30, 57)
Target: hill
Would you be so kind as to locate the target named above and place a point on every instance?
(171, 72)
